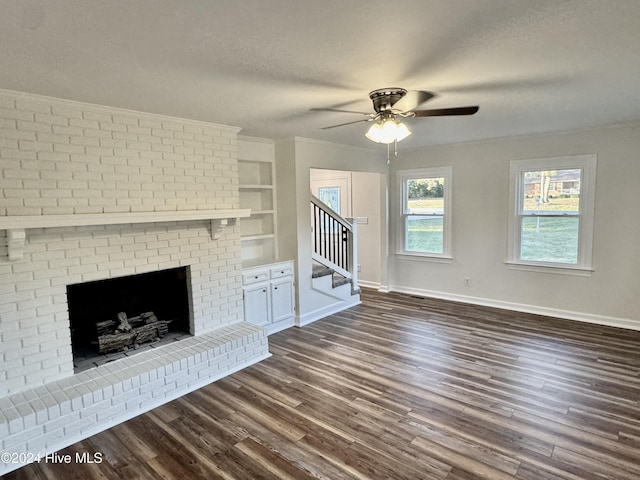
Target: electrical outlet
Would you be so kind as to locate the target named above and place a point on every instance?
(467, 281)
(359, 267)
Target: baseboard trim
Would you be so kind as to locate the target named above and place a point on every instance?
(279, 326)
(522, 307)
(307, 318)
(366, 284)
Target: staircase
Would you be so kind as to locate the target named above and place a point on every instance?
(334, 254)
(327, 280)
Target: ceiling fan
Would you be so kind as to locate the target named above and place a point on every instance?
(393, 103)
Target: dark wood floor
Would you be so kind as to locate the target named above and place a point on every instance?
(396, 388)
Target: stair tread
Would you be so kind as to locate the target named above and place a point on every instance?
(340, 280)
(321, 271)
(318, 270)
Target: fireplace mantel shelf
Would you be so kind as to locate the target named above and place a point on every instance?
(16, 225)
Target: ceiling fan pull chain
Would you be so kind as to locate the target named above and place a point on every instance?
(388, 154)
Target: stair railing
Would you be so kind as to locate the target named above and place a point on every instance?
(334, 240)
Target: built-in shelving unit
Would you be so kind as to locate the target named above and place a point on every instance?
(257, 185)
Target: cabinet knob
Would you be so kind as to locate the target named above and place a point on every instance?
(256, 276)
(264, 290)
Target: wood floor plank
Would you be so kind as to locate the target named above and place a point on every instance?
(399, 387)
(273, 462)
(119, 457)
(298, 453)
(460, 460)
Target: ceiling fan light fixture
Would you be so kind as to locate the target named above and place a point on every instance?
(401, 132)
(375, 133)
(387, 131)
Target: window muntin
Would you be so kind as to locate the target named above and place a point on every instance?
(553, 217)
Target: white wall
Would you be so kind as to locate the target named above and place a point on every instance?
(287, 200)
(369, 201)
(480, 216)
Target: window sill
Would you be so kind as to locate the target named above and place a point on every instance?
(424, 257)
(555, 269)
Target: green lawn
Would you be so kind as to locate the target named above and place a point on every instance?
(550, 239)
(543, 239)
(425, 235)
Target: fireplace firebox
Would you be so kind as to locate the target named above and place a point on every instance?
(121, 316)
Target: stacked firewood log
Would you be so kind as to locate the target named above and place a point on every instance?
(114, 335)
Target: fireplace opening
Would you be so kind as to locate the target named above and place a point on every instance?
(122, 316)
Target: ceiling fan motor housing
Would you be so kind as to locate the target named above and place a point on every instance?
(385, 98)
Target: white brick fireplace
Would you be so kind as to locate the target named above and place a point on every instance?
(114, 193)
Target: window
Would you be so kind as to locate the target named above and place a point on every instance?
(426, 219)
(551, 218)
(331, 197)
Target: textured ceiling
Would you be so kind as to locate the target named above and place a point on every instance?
(531, 65)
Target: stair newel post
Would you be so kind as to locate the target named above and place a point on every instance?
(323, 224)
(344, 251)
(314, 228)
(353, 254)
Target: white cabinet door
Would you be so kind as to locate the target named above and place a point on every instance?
(257, 305)
(269, 296)
(282, 299)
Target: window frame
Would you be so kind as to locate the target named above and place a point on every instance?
(403, 176)
(587, 164)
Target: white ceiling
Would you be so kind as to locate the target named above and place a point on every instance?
(531, 65)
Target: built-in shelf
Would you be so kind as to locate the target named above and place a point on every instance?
(16, 225)
(257, 185)
(248, 238)
(254, 158)
(262, 212)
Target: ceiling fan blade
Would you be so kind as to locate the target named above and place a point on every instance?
(337, 110)
(441, 112)
(412, 99)
(348, 123)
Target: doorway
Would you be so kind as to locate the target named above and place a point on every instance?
(357, 195)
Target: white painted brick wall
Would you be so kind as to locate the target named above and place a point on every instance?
(61, 157)
(34, 294)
